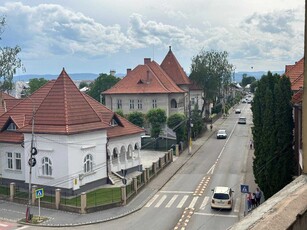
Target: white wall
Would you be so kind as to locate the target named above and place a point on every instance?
(9, 173)
(163, 102)
(67, 154)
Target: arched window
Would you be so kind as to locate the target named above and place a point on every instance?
(88, 163)
(173, 103)
(46, 166)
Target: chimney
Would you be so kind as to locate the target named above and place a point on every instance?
(170, 48)
(112, 72)
(146, 61)
(128, 71)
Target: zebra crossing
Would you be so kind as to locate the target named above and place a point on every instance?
(174, 200)
(168, 199)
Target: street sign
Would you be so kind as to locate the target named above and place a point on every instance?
(32, 162)
(244, 188)
(39, 193)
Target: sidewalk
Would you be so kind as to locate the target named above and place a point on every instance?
(14, 212)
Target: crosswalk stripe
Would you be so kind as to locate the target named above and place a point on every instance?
(204, 203)
(237, 205)
(169, 204)
(151, 201)
(160, 201)
(183, 200)
(193, 202)
(3, 225)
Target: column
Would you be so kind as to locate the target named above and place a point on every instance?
(12, 191)
(83, 203)
(57, 198)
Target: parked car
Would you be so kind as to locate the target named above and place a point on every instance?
(221, 134)
(242, 120)
(238, 111)
(222, 198)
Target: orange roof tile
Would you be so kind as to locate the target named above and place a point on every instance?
(147, 78)
(297, 97)
(60, 108)
(172, 67)
(296, 74)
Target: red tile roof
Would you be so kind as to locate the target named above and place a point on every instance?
(147, 78)
(60, 108)
(297, 98)
(172, 67)
(296, 74)
(7, 102)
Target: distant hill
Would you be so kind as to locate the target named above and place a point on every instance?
(256, 74)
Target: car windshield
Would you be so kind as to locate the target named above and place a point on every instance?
(221, 196)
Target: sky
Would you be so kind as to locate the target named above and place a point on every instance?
(96, 36)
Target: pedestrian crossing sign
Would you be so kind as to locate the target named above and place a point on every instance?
(244, 188)
(39, 193)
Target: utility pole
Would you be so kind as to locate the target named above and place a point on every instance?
(32, 163)
(189, 127)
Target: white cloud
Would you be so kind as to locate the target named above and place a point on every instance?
(267, 37)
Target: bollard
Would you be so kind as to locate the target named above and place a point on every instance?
(12, 191)
(83, 203)
(57, 198)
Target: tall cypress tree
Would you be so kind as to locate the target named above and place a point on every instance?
(272, 132)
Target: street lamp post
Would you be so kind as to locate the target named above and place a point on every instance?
(32, 163)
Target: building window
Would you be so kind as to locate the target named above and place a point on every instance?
(11, 127)
(88, 163)
(131, 104)
(173, 103)
(18, 161)
(193, 100)
(154, 103)
(46, 166)
(140, 106)
(9, 160)
(119, 104)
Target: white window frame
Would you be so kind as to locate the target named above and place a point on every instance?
(119, 104)
(140, 105)
(11, 127)
(131, 103)
(154, 103)
(18, 161)
(9, 156)
(88, 163)
(46, 166)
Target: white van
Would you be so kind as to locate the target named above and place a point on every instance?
(222, 198)
(242, 120)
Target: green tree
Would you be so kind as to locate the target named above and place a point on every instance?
(273, 164)
(102, 83)
(120, 112)
(247, 80)
(197, 121)
(9, 62)
(177, 122)
(136, 118)
(254, 86)
(156, 118)
(83, 84)
(212, 72)
(36, 83)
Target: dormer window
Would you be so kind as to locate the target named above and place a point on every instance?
(113, 122)
(11, 127)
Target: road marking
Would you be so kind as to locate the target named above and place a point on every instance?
(211, 170)
(169, 204)
(183, 200)
(204, 203)
(151, 201)
(3, 225)
(193, 202)
(179, 192)
(160, 201)
(23, 227)
(213, 214)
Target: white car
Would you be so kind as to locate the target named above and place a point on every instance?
(222, 198)
(242, 120)
(238, 111)
(221, 134)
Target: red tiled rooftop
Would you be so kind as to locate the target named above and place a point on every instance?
(296, 74)
(147, 78)
(172, 67)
